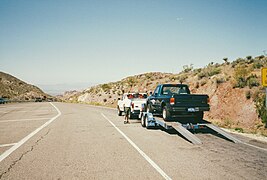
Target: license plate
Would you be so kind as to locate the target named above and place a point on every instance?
(193, 109)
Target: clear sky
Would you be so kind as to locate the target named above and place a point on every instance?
(77, 41)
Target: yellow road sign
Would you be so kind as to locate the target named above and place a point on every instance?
(264, 77)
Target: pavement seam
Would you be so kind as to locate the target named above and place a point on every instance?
(24, 154)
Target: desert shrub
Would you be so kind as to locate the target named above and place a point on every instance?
(220, 80)
(248, 94)
(182, 78)
(260, 107)
(90, 90)
(196, 71)
(105, 87)
(225, 60)
(214, 71)
(173, 77)
(239, 130)
(131, 81)
(252, 81)
(201, 75)
(240, 74)
(104, 100)
(238, 61)
(257, 65)
(187, 68)
(210, 70)
(148, 75)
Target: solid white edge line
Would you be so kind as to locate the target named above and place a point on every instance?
(21, 142)
(148, 159)
(263, 149)
(6, 145)
(18, 120)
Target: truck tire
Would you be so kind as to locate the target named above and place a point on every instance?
(119, 112)
(143, 121)
(165, 113)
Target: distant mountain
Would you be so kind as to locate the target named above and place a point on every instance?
(15, 89)
(237, 98)
(60, 89)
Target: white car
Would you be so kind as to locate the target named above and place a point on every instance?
(137, 100)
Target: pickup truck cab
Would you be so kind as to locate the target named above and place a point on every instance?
(137, 100)
(175, 101)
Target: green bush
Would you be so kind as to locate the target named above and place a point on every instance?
(105, 87)
(240, 74)
(220, 80)
(257, 65)
(182, 78)
(252, 81)
(209, 71)
(187, 68)
(238, 61)
(260, 107)
(239, 130)
(201, 75)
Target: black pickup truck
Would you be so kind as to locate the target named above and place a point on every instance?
(175, 101)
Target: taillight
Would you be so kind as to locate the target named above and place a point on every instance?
(132, 105)
(172, 101)
(208, 100)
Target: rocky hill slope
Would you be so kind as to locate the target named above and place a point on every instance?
(15, 89)
(236, 97)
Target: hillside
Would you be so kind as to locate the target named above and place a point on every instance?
(15, 89)
(236, 96)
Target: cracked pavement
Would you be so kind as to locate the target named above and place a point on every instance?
(81, 144)
(22, 155)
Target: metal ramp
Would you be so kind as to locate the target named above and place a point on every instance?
(183, 130)
(222, 132)
(185, 133)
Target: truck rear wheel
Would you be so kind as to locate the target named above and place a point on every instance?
(166, 114)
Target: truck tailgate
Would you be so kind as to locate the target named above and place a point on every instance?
(191, 100)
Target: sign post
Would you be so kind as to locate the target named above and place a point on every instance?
(264, 82)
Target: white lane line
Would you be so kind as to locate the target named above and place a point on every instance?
(18, 120)
(25, 139)
(148, 159)
(6, 145)
(263, 149)
(18, 111)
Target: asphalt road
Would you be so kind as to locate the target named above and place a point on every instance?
(76, 141)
